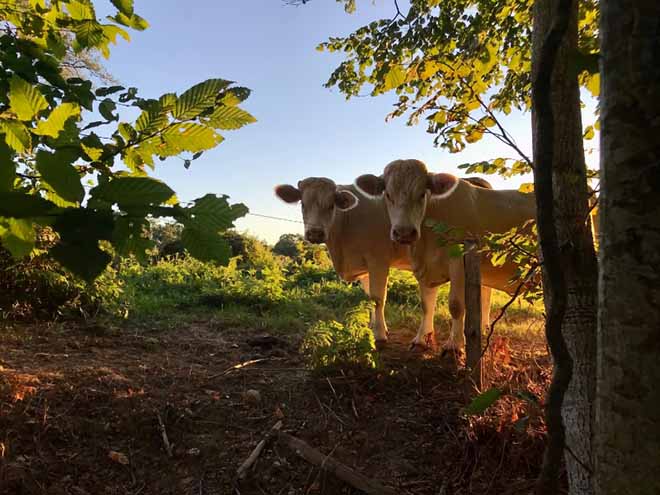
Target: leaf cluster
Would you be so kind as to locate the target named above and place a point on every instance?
(50, 154)
(457, 64)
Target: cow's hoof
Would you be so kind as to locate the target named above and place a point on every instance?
(427, 343)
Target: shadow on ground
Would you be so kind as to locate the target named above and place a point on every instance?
(80, 409)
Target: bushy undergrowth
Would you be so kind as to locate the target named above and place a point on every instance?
(329, 343)
(257, 290)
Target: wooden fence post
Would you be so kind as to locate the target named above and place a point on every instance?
(473, 312)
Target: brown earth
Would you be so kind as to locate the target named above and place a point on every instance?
(79, 409)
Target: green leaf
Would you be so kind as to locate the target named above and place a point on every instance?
(106, 107)
(234, 96)
(85, 259)
(483, 401)
(89, 34)
(80, 10)
(58, 171)
(25, 99)
(124, 6)
(133, 21)
(188, 137)
(16, 135)
(15, 204)
(455, 251)
(108, 91)
(230, 117)
(198, 98)
(214, 213)
(92, 146)
(205, 245)
(127, 132)
(7, 168)
(55, 122)
(394, 78)
(84, 225)
(137, 191)
(130, 237)
(19, 238)
(151, 120)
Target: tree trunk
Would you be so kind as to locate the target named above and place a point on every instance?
(627, 440)
(578, 259)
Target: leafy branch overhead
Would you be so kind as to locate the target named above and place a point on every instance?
(457, 67)
(50, 149)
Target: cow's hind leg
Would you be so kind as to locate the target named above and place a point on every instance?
(378, 294)
(456, 305)
(426, 335)
(485, 308)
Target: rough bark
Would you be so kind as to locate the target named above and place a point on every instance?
(627, 457)
(577, 259)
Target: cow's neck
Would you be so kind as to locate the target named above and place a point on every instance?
(478, 210)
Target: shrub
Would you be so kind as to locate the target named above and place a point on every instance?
(37, 287)
(331, 343)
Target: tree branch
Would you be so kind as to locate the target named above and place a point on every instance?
(555, 286)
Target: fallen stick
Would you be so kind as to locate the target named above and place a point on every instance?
(327, 463)
(238, 367)
(163, 432)
(241, 472)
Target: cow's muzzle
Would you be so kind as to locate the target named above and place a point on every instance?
(315, 236)
(404, 235)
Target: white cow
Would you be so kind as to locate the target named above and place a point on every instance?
(413, 195)
(356, 230)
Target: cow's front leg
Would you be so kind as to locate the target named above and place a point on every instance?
(426, 335)
(378, 294)
(364, 281)
(456, 305)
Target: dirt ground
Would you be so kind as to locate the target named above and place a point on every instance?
(80, 413)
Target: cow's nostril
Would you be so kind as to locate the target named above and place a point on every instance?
(404, 235)
(315, 235)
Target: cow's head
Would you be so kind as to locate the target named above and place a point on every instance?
(407, 187)
(320, 200)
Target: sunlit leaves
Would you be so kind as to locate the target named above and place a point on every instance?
(456, 66)
(17, 135)
(230, 117)
(394, 78)
(46, 150)
(124, 6)
(18, 236)
(198, 98)
(54, 124)
(25, 99)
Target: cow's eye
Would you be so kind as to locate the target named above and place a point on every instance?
(421, 197)
(388, 197)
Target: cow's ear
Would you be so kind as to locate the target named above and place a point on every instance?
(288, 193)
(442, 185)
(370, 184)
(346, 200)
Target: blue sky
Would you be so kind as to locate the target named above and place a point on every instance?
(303, 129)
